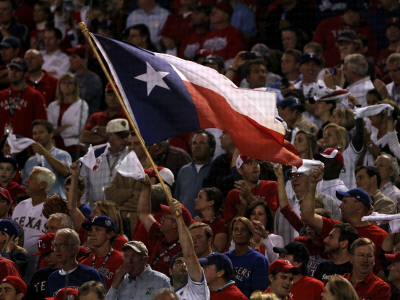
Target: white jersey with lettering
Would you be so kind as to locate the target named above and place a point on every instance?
(32, 221)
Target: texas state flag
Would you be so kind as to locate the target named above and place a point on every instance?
(167, 96)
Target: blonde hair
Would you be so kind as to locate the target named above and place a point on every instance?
(263, 296)
(59, 94)
(110, 209)
(346, 116)
(341, 288)
(341, 134)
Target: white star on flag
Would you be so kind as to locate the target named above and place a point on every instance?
(153, 78)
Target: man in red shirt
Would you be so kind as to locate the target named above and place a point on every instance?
(249, 189)
(297, 254)
(365, 282)
(218, 270)
(163, 235)
(280, 274)
(94, 131)
(356, 203)
(20, 104)
(38, 78)
(102, 234)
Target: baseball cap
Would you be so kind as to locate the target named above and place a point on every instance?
(204, 8)
(331, 153)
(117, 125)
(6, 194)
(242, 159)
(9, 159)
(395, 257)
(323, 93)
(109, 87)
(102, 221)
(44, 243)
(19, 63)
(136, 246)
(299, 249)
(358, 194)
(309, 56)
(79, 49)
(347, 36)
(65, 293)
(221, 261)
(165, 173)
(174, 258)
(9, 227)
(308, 166)
(16, 282)
(260, 50)
(187, 217)
(291, 102)
(225, 6)
(282, 265)
(389, 22)
(214, 59)
(10, 41)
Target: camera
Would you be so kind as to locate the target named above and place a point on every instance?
(248, 55)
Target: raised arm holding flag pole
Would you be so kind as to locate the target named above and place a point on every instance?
(170, 96)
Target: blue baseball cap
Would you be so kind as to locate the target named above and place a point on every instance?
(9, 227)
(174, 258)
(291, 102)
(309, 56)
(102, 221)
(10, 41)
(358, 194)
(221, 261)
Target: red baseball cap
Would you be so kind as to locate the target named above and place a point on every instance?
(16, 282)
(187, 217)
(331, 153)
(44, 243)
(165, 173)
(6, 194)
(395, 257)
(283, 265)
(109, 87)
(65, 293)
(242, 159)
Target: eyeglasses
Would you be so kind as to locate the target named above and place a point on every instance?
(296, 175)
(67, 82)
(59, 246)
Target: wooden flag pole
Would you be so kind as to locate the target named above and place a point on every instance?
(111, 81)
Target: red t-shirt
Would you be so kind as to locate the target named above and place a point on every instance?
(31, 106)
(225, 42)
(47, 86)
(373, 232)
(229, 292)
(177, 26)
(102, 118)
(15, 189)
(108, 270)
(264, 190)
(288, 297)
(371, 287)
(162, 250)
(307, 288)
(328, 31)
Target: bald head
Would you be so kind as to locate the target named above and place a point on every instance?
(34, 59)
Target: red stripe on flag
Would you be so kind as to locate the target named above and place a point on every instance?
(250, 137)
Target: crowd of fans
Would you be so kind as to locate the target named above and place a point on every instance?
(224, 225)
